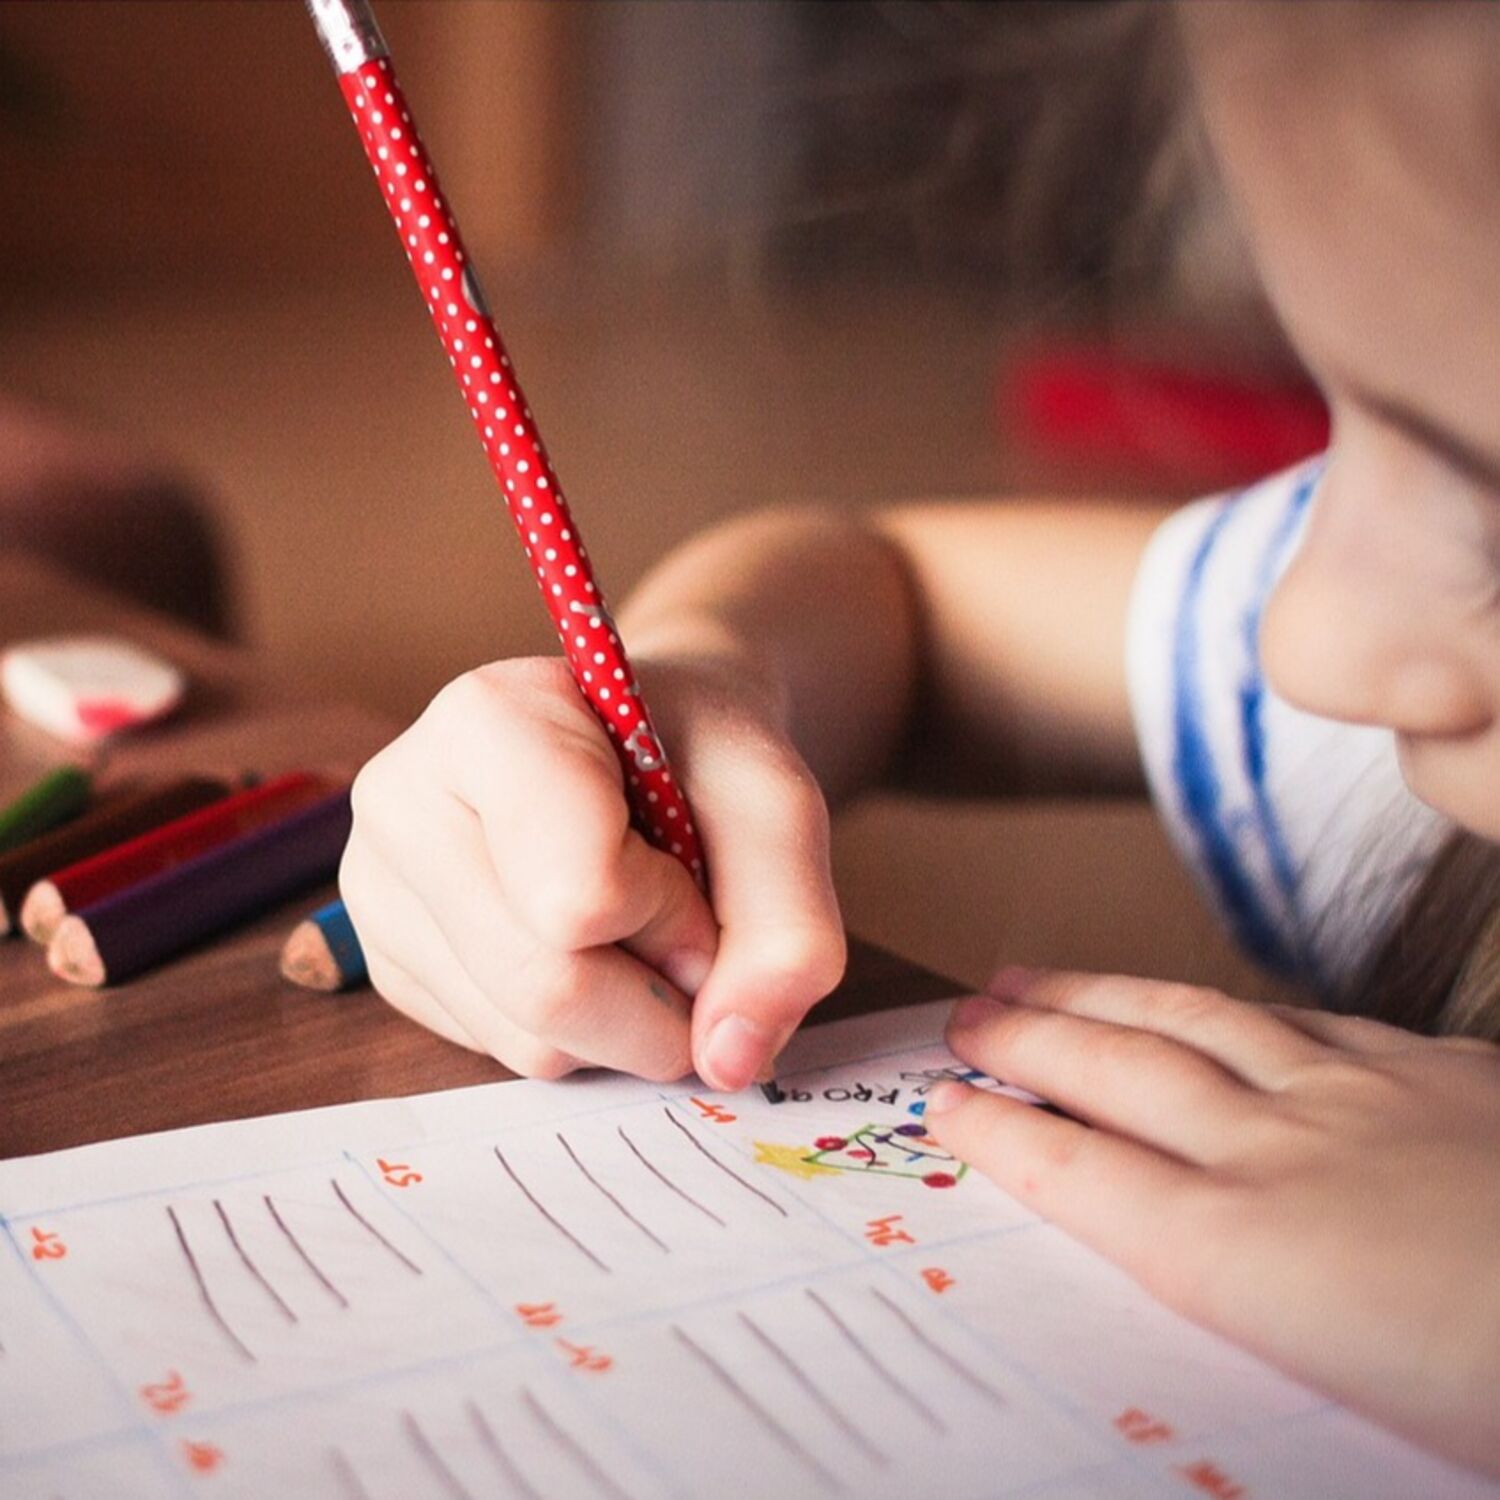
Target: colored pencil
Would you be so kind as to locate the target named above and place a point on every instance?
(58, 796)
(323, 953)
(549, 534)
(108, 824)
(105, 874)
(139, 927)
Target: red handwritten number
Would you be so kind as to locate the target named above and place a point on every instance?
(937, 1279)
(46, 1245)
(715, 1112)
(203, 1457)
(167, 1396)
(884, 1231)
(397, 1173)
(1212, 1481)
(538, 1314)
(584, 1357)
(1137, 1426)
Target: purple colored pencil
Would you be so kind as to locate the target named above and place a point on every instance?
(130, 931)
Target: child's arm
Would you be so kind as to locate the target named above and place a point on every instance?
(500, 894)
(965, 643)
(1322, 1189)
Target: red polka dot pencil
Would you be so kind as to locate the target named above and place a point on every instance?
(429, 235)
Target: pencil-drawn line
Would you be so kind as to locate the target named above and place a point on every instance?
(433, 1459)
(572, 1447)
(783, 1435)
(698, 1145)
(969, 1377)
(666, 1181)
(405, 1259)
(297, 1245)
(250, 1265)
(501, 1459)
(203, 1291)
(815, 1392)
(876, 1365)
(352, 1485)
(594, 1182)
(555, 1222)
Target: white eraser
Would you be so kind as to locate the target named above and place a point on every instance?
(85, 688)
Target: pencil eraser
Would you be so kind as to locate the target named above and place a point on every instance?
(83, 689)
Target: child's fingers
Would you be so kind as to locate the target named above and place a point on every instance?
(1245, 1038)
(1138, 1083)
(599, 1005)
(522, 1054)
(1122, 1198)
(401, 992)
(409, 943)
(556, 826)
(1347, 1033)
(781, 940)
(520, 1002)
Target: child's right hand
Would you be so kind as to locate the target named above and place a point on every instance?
(504, 900)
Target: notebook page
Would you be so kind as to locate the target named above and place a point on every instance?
(617, 1291)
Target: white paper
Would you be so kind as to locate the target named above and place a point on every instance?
(614, 1291)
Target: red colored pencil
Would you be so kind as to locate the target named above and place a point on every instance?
(137, 928)
(110, 822)
(429, 235)
(92, 880)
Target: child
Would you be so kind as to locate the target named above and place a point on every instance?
(1325, 1189)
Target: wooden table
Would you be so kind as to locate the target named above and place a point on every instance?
(218, 1034)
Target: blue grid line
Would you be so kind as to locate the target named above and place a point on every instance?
(555, 1376)
(144, 1431)
(1024, 1375)
(542, 1359)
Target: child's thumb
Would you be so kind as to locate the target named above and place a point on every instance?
(781, 939)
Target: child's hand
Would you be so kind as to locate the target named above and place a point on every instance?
(1324, 1190)
(504, 900)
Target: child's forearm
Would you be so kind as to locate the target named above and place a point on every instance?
(817, 607)
(969, 644)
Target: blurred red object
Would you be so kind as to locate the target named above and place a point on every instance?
(1151, 419)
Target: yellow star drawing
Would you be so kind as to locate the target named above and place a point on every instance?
(791, 1159)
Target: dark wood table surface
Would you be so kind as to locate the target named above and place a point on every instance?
(217, 1034)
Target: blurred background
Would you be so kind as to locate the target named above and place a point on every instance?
(743, 253)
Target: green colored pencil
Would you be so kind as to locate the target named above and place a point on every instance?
(58, 796)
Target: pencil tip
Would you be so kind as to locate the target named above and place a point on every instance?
(306, 960)
(74, 956)
(41, 912)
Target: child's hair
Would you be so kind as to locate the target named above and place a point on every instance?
(1439, 968)
(1067, 137)
(1037, 149)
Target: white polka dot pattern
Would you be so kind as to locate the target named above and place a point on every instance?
(430, 237)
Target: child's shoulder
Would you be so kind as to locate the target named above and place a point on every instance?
(1299, 829)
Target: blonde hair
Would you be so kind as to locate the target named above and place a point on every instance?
(1073, 141)
(1438, 971)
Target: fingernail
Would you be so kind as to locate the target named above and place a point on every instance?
(687, 968)
(944, 1098)
(1012, 982)
(973, 1011)
(734, 1052)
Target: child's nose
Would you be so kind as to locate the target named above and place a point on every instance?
(1350, 635)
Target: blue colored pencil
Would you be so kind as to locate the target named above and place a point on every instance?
(323, 953)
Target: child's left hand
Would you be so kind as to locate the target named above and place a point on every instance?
(1324, 1190)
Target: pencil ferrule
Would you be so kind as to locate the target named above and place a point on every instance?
(348, 31)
